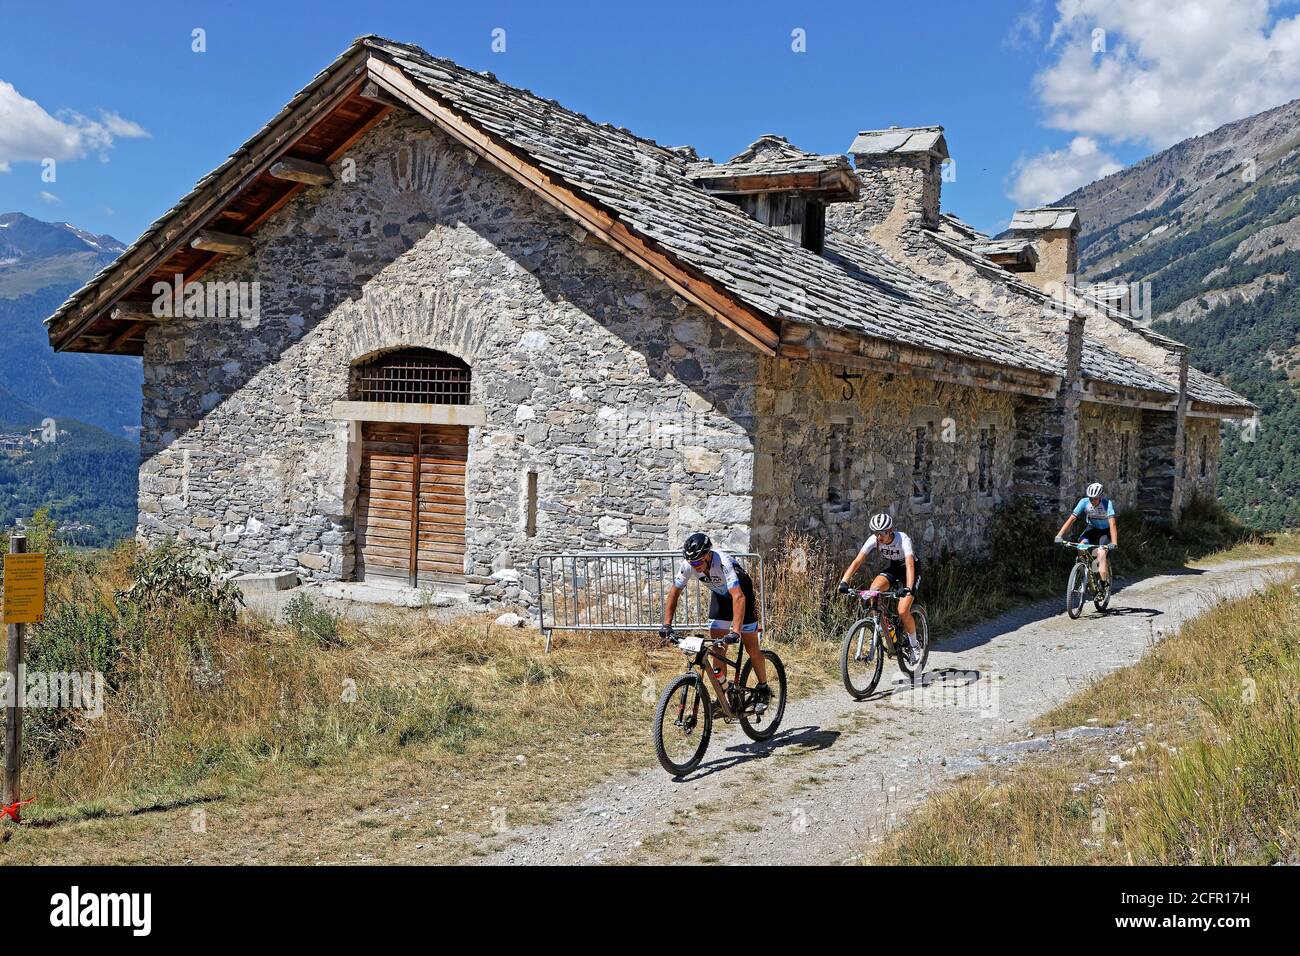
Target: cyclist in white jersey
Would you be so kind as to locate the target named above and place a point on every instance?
(732, 607)
(902, 575)
(1099, 525)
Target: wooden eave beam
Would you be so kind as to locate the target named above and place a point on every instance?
(209, 240)
(134, 310)
(1206, 410)
(752, 326)
(129, 332)
(302, 171)
(279, 138)
(802, 342)
(1110, 393)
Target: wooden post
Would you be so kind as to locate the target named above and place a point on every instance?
(14, 709)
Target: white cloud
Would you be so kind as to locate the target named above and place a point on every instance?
(48, 197)
(1169, 69)
(1027, 29)
(1051, 174)
(30, 134)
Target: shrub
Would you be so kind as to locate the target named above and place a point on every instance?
(175, 573)
(312, 621)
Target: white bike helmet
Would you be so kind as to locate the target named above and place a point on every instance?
(1095, 490)
(881, 522)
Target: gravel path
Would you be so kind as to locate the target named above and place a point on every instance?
(840, 774)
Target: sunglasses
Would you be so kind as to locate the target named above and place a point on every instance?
(699, 562)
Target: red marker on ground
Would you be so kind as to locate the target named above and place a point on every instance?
(11, 810)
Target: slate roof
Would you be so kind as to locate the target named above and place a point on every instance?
(1045, 217)
(769, 166)
(1203, 388)
(646, 187)
(919, 139)
(1098, 361)
(1022, 248)
(1105, 365)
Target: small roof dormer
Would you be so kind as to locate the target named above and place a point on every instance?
(781, 186)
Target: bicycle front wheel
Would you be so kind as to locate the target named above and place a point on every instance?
(1101, 597)
(683, 724)
(1075, 590)
(861, 660)
(762, 726)
(922, 638)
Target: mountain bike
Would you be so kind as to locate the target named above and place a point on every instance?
(684, 717)
(880, 633)
(1084, 581)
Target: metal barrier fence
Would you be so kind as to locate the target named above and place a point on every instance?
(624, 591)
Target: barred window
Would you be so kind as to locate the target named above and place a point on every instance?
(922, 462)
(1090, 457)
(422, 376)
(988, 441)
(1123, 455)
(1205, 455)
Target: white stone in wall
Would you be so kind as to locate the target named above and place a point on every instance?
(613, 527)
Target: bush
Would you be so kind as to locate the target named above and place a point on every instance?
(312, 621)
(174, 573)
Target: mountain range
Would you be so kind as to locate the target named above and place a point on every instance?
(88, 474)
(1210, 229)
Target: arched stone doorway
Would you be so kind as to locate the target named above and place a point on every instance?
(412, 412)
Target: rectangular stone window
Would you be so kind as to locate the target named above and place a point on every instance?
(1123, 455)
(1090, 457)
(922, 462)
(837, 484)
(1205, 456)
(987, 447)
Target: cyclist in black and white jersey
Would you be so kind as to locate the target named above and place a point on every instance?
(901, 575)
(732, 607)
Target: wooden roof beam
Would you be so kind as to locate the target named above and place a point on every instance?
(209, 240)
(302, 171)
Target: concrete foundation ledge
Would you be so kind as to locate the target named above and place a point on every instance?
(253, 586)
(392, 595)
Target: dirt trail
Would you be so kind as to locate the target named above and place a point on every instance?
(840, 774)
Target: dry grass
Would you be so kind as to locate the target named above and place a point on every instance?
(1213, 778)
(392, 740)
(229, 715)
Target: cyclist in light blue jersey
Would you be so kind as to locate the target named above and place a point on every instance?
(1099, 525)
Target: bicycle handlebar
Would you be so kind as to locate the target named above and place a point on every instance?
(1085, 546)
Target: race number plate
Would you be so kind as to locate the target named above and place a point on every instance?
(692, 645)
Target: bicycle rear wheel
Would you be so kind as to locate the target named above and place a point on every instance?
(762, 726)
(861, 660)
(922, 638)
(683, 724)
(1075, 590)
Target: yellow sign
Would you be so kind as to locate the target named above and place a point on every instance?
(24, 594)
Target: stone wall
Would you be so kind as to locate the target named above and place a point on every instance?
(820, 433)
(898, 198)
(1106, 434)
(635, 409)
(1201, 442)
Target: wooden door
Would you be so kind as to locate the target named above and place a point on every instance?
(411, 503)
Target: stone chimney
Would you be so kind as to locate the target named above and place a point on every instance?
(900, 171)
(1054, 231)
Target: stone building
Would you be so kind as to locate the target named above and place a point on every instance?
(424, 326)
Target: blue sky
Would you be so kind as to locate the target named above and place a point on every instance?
(1030, 105)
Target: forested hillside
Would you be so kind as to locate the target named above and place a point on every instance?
(1213, 224)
